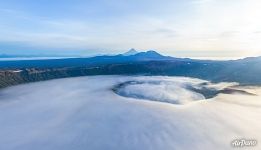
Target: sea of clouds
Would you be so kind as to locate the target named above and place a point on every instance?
(158, 113)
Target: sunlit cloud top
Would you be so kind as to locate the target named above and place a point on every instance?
(191, 28)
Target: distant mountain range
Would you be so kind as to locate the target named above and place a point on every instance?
(32, 56)
(130, 56)
(244, 71)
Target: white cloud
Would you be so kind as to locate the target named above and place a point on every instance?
(84, 113)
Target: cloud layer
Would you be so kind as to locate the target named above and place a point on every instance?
(84, 113)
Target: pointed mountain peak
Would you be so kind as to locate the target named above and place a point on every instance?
(130, 52)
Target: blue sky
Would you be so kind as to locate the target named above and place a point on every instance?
(185, 28)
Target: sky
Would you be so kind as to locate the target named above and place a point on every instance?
(184, 28)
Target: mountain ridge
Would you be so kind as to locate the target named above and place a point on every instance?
(244, 71)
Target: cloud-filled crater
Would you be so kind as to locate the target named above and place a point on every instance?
(173, 91)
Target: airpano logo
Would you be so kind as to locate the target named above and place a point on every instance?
(244, 143)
